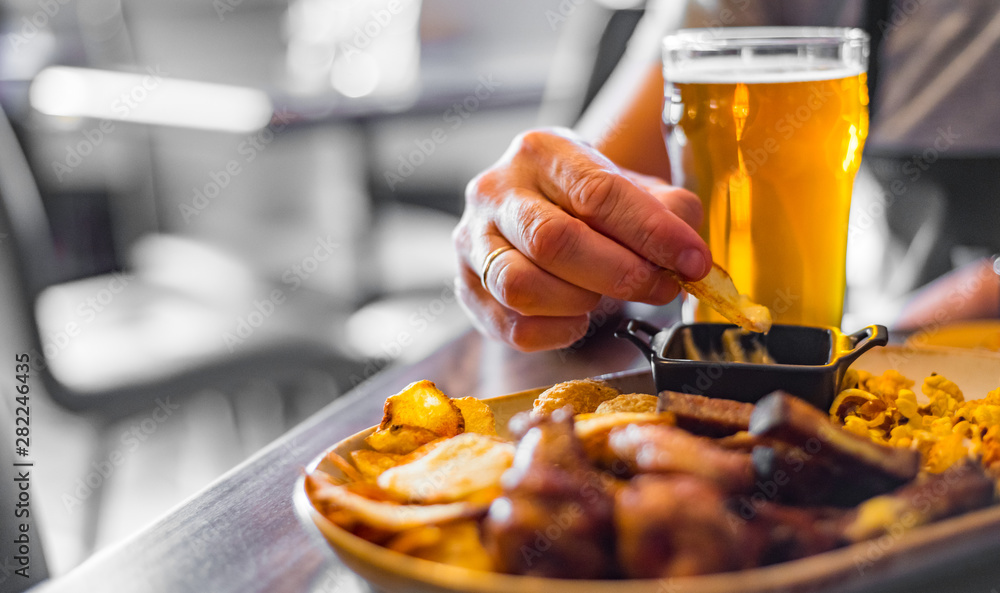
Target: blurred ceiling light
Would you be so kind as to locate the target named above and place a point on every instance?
(149, 98)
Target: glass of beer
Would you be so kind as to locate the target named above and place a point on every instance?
(766, 125)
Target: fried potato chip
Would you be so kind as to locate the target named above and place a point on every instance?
(718, 292)
(372, 463)
(477, 415)
(422, 404)
(583, 394)
(457, 544)
(629, 402)
(463, 467)
(400, 439)
(342, 506)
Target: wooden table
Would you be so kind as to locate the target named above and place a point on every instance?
(241, 534)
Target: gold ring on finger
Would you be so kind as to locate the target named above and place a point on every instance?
(490, 259)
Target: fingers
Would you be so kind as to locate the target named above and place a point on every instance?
(516, 282)
(554, 226)
(528, 333)
(683, 203)
(593, 190)
(570, 250)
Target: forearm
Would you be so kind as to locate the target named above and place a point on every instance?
(624, 121)
(972, 292)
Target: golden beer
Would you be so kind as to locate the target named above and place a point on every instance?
(772, 150)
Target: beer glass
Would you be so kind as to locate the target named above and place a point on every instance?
(766, 125)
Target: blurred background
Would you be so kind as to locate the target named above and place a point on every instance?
(219, 215)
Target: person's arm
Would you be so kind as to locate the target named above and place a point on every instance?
(567, 217)
(970, 292)
(624, 121)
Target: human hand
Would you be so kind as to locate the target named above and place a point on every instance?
(554, 225)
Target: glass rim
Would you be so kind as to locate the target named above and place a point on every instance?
(728, 37)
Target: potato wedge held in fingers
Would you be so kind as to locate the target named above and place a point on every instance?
(718, 292)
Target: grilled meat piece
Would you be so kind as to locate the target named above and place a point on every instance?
(852, 461)
(707, 416)
(680, 525)
(961, 488)
(661, 448)
(791, 533)
(555, 516)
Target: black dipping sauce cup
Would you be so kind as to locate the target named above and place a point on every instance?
(810, 362)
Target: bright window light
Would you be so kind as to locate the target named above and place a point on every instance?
(149, 98)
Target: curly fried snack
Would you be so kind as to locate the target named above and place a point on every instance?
(583, 394)
(718, 291)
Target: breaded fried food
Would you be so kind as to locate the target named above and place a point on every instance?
(718, 292)
(628, 402)
(584, 395)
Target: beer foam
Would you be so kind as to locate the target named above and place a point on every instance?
(733, 69)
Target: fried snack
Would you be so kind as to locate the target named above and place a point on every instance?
(584, 395)
(477, 415)
(942, 425)
(707, 416)
(456, 543)
(417, 415)
(370, 464)
(422, 404)
(350, 510)
(628, 402)
(464, 467)
(718, 291)
(400, 439)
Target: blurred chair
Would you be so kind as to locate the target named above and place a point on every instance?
(118, 315)
(115, 344)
